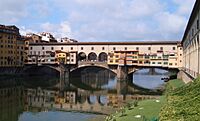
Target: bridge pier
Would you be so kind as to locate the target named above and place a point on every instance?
(152, 71)
(64, 77)
(122, 73)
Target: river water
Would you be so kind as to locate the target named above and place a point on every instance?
(91, 84)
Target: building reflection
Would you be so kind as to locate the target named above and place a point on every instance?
(11, 100)
(94, 77)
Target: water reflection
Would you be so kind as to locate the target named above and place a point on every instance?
(55, 116)
(93, 78)
(11, 100)
(91, 89)
(150, 79)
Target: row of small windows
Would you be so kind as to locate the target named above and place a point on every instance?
(103, 48)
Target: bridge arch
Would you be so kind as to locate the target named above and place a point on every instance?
(82, 56)
(92, 56)
(98, 66)
(103, 57)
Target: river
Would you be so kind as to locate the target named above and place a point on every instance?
(92, 90)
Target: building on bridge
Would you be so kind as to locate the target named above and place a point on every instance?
(151, 53)
(190, 42)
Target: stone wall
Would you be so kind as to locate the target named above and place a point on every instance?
(185, 77)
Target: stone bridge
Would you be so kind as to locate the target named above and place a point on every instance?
(122, 72)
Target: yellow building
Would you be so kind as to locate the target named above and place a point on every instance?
(61, 57)
(11, 47)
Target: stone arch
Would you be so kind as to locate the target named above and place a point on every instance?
(92, 56)
(82, 56)
(92, 99)
(103, 57)
(102, 99)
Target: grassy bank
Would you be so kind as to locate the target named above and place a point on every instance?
(183, 103)
(146, 110)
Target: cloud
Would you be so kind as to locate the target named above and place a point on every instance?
(23, 30)
(100, 19)
(62, 29)
(11, 11)
(170, 25)
(184, 8)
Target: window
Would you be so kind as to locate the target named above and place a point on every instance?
(125, 48)
(116, 61)
(111, 61)
(149, 48)
(52, 48)
(174, 48)
(42, 48)
(117, 56)
(137, 48)
(165, 63)
(61, 48)
(81, 48)
(198, 24)
(180, 54)
(31, 48)
(103, 48)
(92, 48)
(153, 63)
(161, 48)
(114, 48)
(71, 48)
(159, 63)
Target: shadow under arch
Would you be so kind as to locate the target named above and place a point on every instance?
(82, 56)
(103, 57)
(92, 56)
(97, 66)
(91, 78)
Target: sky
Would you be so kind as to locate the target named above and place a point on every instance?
(100, 20)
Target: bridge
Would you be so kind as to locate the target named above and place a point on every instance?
(122, 72)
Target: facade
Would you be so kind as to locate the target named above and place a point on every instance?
(11, 47)
(190, 42)
(158, 54)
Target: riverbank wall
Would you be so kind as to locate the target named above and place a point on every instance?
(182, 75)
(25, 71)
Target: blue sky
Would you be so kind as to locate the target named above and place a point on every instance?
(100, 20)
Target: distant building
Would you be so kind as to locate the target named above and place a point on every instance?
(47, 37)
(67, 40)
(11, 47)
